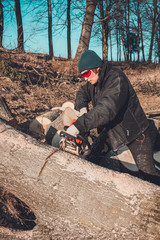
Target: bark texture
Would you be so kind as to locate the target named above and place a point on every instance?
(86, 28)
(20, 41)
(74, 199)
(50, 30)
(1, 23)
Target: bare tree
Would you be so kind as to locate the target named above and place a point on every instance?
(110, 39)
(50, 30)
(158, 34)
(86, 27)
(138, 27)
(123, 38)
(105, 19)
(138, 11)
(140, 23)
(118, 19)
(104, 40)
(69, 28)
(19, 25)
(1, 22)
(141, 37)
(128, 30)
(154, 19)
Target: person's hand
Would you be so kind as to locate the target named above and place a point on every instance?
(82, 111)
(72, 130)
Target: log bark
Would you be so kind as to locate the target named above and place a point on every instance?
(73, 198)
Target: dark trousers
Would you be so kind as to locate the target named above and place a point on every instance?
(142, 152)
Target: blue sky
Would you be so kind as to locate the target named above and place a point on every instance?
(36, 32)
(37, 41)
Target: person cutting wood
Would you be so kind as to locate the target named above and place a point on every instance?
(116, 111)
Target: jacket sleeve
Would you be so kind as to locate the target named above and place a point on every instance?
(111, 100)
(82, 98)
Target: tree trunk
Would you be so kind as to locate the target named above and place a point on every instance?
(50, 30)
(159, 44)
(110, 39)
(68, 28)
(153, 30)
(128, 31)
(86, 28)
(141, 33)
(104, 19)
(72, 198)
(1, 22)
(138, 31)
(156, 44)
(19, 25)
(117, 41)
(123, 44)
(159, 36)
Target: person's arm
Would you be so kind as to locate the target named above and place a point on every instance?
(110, 103)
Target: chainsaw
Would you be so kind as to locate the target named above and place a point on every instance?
(76, 145)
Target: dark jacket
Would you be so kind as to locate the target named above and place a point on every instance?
(116, 107)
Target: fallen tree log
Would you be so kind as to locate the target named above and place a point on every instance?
(75, 199)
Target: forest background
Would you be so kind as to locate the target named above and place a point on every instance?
(41, 42)
(118, 30)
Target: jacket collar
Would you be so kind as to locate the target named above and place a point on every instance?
(105, 69)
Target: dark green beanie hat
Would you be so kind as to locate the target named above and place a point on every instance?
(89, 59)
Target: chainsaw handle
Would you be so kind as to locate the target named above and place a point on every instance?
(65, 134)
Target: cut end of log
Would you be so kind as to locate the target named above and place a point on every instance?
(38, 126)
